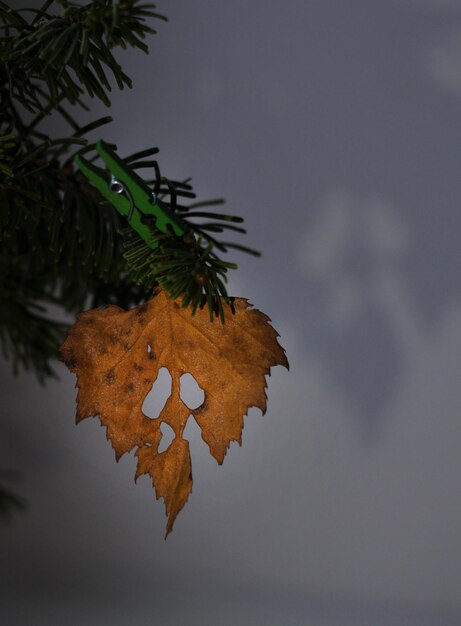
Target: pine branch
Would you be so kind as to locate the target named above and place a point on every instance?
(46, 207)
(71, 53)
(62, 245)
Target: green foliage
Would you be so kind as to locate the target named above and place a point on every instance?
(71, 52)
(62, 245)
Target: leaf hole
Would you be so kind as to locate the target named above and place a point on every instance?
(158, 395)
(191, 393)
(167, 437)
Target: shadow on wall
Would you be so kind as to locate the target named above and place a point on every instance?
(372, 334)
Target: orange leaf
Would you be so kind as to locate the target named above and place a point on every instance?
(117, 356)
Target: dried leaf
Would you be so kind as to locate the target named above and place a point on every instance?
(117, 355)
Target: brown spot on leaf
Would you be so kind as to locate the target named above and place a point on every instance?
(71, 362)
(110, 376)
(130, 387)
(202, 408)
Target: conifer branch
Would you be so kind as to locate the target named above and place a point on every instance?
(61, 243)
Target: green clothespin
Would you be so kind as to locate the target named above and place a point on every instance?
(131, 196)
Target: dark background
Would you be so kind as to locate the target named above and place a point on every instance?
(334, 128)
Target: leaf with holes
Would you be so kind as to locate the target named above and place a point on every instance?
(117, 356)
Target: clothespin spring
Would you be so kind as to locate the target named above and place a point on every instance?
(117, 187)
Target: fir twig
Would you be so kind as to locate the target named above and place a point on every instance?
(61, 244)
(71, 52)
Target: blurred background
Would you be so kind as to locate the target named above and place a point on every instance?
(334, 128)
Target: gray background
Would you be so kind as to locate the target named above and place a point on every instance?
(333, 126)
